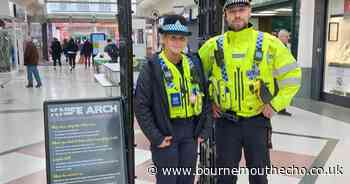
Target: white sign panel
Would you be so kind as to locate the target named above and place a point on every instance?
(4, 8)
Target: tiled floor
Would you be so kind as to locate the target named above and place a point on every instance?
(306, 139)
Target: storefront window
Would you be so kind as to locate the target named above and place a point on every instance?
(140, 39)
(337, 58)
(6, 50)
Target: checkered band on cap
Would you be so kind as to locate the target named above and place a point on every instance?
(177, 27)
(236, 2)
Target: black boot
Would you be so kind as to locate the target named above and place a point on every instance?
(29, 86)
(284, 112)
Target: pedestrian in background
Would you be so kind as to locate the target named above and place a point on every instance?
(72, 50)
(65, 51)
(87, 52)
(283, 35)
(56, 50)
(31, 61)
(112, 51)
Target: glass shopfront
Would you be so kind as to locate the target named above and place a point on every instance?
(337, 55)
(274, 15)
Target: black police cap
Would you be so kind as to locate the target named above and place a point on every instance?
(174, 24)
(229, 3)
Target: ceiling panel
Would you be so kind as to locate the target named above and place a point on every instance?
(80, 8)
(83, 1)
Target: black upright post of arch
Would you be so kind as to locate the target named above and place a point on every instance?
(295, 26)
(210, 16)
(45, 41)
(126, 78)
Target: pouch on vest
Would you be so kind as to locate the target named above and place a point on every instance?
(264, 93)
(213, 91)
(224, 95)
(194, 70)
(197, 107)
(219, 57)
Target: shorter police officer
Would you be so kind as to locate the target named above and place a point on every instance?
(242, 65)
(169, 103)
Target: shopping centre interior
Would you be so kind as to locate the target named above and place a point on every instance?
(316, 135)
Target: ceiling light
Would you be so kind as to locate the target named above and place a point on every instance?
(267, 12)
(285, 10)
(263, 14)
(179, 9)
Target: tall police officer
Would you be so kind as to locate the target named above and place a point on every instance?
(169, 103)
(242, 64)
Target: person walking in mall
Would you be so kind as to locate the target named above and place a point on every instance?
(242, 65)
(283, 35)
(31, 61)
(87, 52)
(65, 52)
(112, 50)
(56, 51)
(170, 105)
(72, 50)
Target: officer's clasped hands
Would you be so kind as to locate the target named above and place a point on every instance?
(215, 110)
(166, 142)
(200, 140)
(267, 111)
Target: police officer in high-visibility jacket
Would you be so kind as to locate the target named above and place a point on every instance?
(170, 104)
(241, 65)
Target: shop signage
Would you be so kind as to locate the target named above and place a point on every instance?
(98, 42)
(347, 7)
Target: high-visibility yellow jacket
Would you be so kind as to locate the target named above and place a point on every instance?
(181, 87)
(236, 83)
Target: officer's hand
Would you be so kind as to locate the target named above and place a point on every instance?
(268, 111)
(216, 111)
(166, 142)
(200, 140)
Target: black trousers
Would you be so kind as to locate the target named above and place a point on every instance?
(72, 60)
(56, 59)
(251, 135)
(181, 154)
